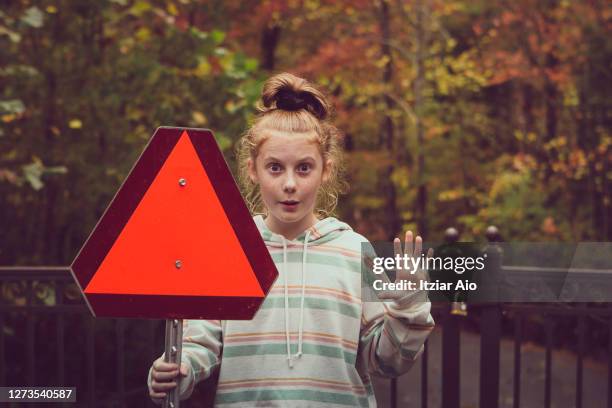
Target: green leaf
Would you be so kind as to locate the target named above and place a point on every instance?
(223, 141)
(32, 173)
(143, 34)
(140, 8)
(13, 36)
(75, 124)
(217, 36)
(199, 34)
(18, 70)
(203, 68)
(56, 170)
(250, 64)
(33, 17)
(199, 118)
(11, 106)
(367, 202)
(220, 52)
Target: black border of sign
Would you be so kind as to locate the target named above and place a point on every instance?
(119, 211)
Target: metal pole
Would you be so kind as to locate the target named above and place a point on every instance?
(451, 363)
(174, 342)
(490, 324)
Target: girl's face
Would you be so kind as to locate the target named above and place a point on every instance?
(289, 169)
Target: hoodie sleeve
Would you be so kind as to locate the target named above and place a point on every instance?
(393, 333)
(202, 346)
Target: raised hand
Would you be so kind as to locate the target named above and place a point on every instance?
(409, 256)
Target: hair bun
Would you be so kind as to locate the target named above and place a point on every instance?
(291, 93)
(287, 99)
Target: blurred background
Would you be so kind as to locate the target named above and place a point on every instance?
(455, 113)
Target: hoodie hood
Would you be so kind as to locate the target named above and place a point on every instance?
(323, 231)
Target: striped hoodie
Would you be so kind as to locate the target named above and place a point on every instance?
(313, 342)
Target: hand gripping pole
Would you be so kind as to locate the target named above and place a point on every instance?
(174, 342)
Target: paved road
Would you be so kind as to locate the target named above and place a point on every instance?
(532, 377)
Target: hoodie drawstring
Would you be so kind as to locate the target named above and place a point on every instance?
(285, 272)
(301, 325)
(301, 329)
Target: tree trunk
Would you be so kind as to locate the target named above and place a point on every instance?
(528, 117)
(387, 135)
(421, 44)
(269, 41)
(50, 188)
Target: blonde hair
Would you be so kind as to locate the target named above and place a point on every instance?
(292, 104)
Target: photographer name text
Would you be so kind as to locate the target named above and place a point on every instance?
(424, 285)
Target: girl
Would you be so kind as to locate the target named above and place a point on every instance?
(313, 343)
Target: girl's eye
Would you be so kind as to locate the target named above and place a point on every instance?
(304, 168)
(274, 167)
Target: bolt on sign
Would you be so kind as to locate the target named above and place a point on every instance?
(177, 241)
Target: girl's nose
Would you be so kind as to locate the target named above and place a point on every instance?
(289, 185)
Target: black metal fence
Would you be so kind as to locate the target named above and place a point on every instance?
(48, 338)
(491, 319)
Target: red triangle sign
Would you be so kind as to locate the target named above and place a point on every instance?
(177, 240)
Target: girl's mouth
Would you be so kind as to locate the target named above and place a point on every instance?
(289, 204)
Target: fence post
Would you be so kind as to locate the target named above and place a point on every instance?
(2, 352)
(451, 347)
(450, 361)
(490, 328)
(610, 358)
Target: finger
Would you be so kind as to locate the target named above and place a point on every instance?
(161, 365)
(164, 386)
(157, 394)
(388, 295)
(164, 376)
(184, 370)
(418, 246)
(397, 246)
(368, 261)
(408, 249)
